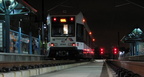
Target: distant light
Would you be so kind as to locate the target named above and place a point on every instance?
(93, 39)
(121, 52)
(115, 50)
(90, 33)
(101, 51)
(44, 26)
(26, 14)
(83, 20)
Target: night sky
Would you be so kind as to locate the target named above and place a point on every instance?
(106, 18)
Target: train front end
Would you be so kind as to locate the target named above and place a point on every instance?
(62, 40)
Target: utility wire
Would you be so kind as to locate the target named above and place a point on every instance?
(135, 3)
(122, 5)
(57, 5)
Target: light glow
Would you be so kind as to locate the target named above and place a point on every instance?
(83, 20)
(90, 33)
(71, 18)
(54, 19)
(101, 51)
(62, 20)
(92, 52)
(93, 39)
(52, 44)
(115, 50)
(65, 29)
(84, 52)
(73, 44)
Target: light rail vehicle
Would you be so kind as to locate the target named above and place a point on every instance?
(69, 37)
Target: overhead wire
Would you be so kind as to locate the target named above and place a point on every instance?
(135, 3)
(57, 5)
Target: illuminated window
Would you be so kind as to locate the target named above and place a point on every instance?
(65, 29)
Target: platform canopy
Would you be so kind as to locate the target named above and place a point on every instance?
(12, 7)
(135, 35)
(15, 7)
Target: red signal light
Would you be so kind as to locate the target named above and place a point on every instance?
(101, 51)
(115, 50)
(72, 19)
(54, 19)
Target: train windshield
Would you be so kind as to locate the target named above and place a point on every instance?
(62, 28)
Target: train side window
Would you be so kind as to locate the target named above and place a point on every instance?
(80, 32)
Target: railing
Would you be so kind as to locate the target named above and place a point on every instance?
(26, 45)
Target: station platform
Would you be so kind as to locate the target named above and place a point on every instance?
(14, 57)
(98, 68)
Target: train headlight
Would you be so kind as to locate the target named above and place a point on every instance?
(92, 52)
(84, 52)
(73, 44)
(52, 44)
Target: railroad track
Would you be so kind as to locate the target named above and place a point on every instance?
(128, 66)
(16, 66)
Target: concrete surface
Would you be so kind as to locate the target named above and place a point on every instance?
(86, 69)
(38, 71)
(95, 69)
